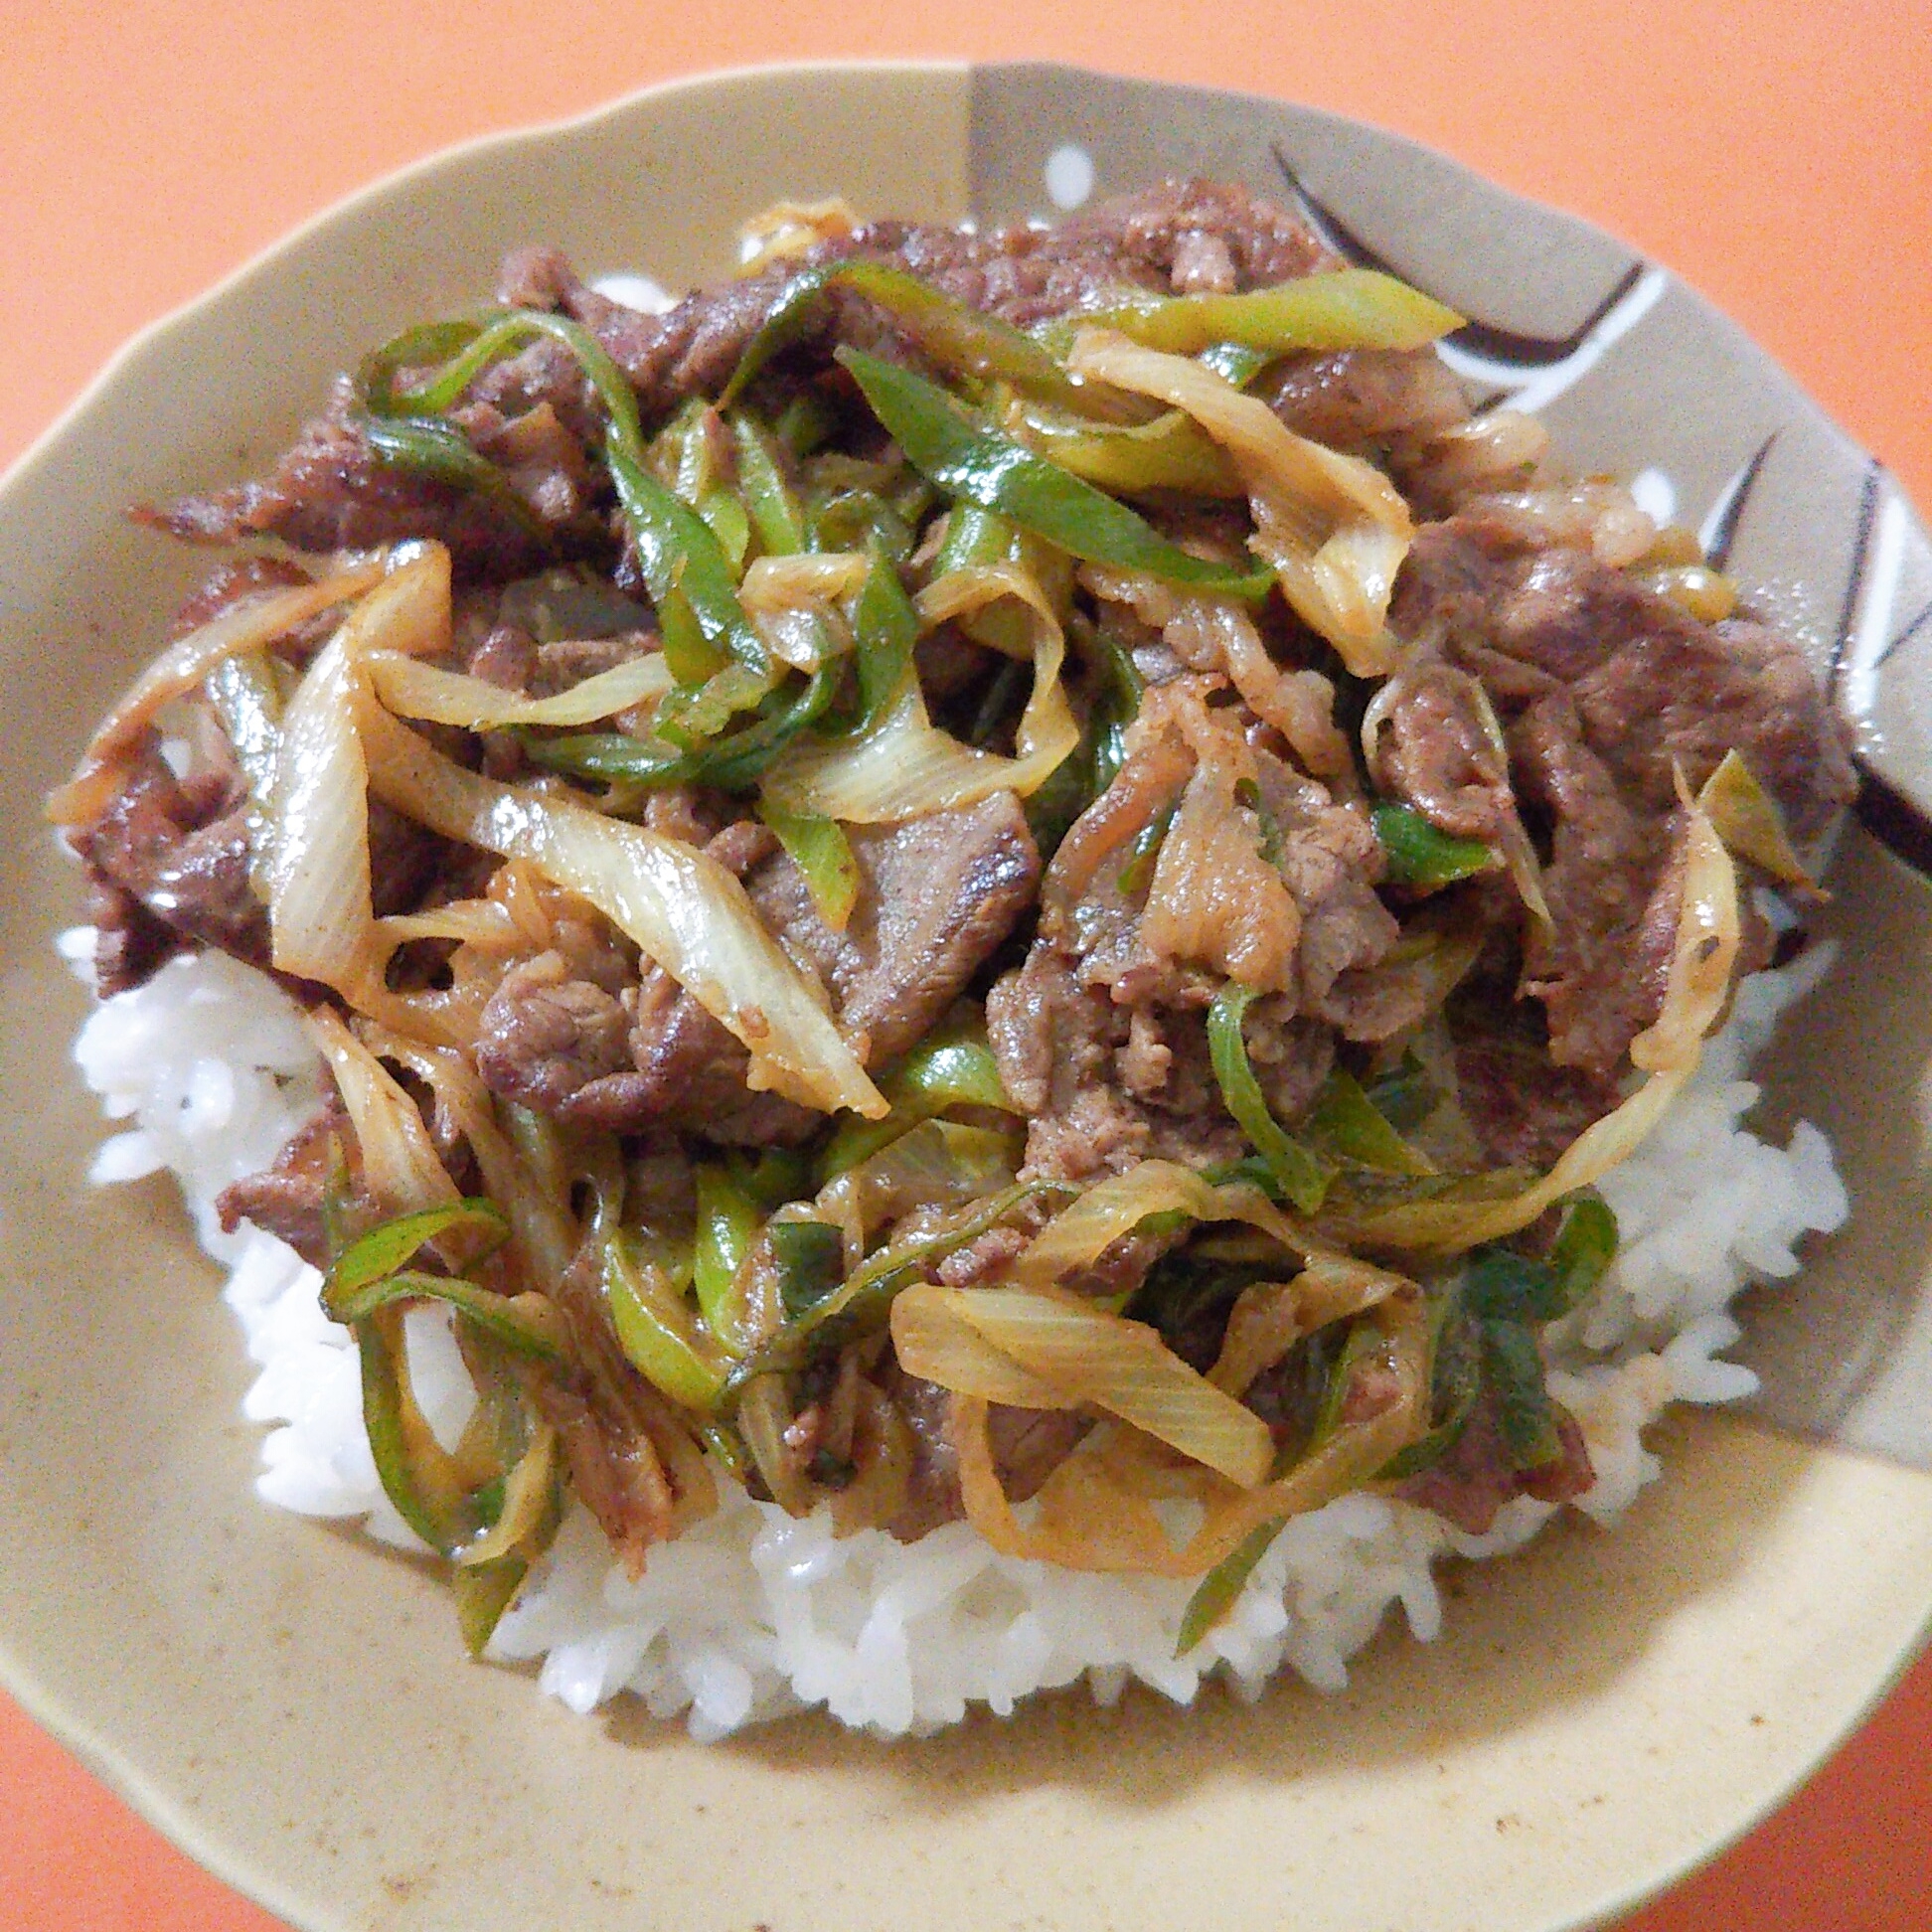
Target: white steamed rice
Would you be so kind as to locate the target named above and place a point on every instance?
(751, 1614)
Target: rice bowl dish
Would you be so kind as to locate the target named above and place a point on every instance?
(1304, 1415)
(303, 1719)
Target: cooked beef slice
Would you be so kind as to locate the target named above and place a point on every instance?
(1524, 1111)
(1102, 1040)
(179, 849)
(1021, 275)
(1357, 399)
(605, 1413)
(1607, 690)
(1028, 1445)
(937, 897)
(332, 490)
(1476, 1477)
(1435, 752)
(287, 1200)
(546, 1036)
(1654, 687)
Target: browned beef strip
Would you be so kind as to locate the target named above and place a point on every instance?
(1524, 1110)
(1435, 752)
(1021, 275)
(544, 463)
(1609, 691)
(1028, 1446)
(686, 1070)
(229, 583)
(937, 897)
(331, 491)
(130, 943)
(1105, 1046)
(1475, 1478)
(287, 1200)
(1333, 862)
(1600, 968)
(167, 859)
(1352, 397)
(181, 849)
(606, 1416)
(546, 1036)
(1654, 687)
(506, 658)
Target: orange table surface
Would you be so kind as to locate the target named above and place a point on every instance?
(1779, 156)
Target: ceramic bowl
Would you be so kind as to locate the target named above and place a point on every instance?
(1600, 1713)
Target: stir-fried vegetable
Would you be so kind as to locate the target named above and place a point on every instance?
(1333, 527)
(1348, 308)
(1424, 858)
(1669, 1051)
(982, 466)
(1071, 1351)
(959, 338)
(1748, 822)
(1301, 1175)
(492, 1507)
(681, 908)
(898, 765)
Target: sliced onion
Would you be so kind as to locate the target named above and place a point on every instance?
(936, 1163)
(320, 918)
(1748, 821)
(411, 688)
(540, 1216)
(934, 1339)
(905, 767)
(788, 228)
(1270, 1317)
(1206, 631)
(482, 924)
(245, 626)
(1094, 1356)
(683, 911)
(1334, 527)
(399, 1162)
(1097, 1510)
(1300, 704)
(1119, 1204)
(808, 577)
(321, 922)
(1702, 958)
(796, 603)
(1213, 897)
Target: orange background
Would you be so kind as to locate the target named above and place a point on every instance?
(1776, 155)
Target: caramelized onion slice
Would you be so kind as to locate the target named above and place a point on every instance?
(1333, 527)
(246, 626)
(1087, 1355)
(904, 766)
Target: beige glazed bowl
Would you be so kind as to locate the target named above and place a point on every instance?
(294, 1707)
